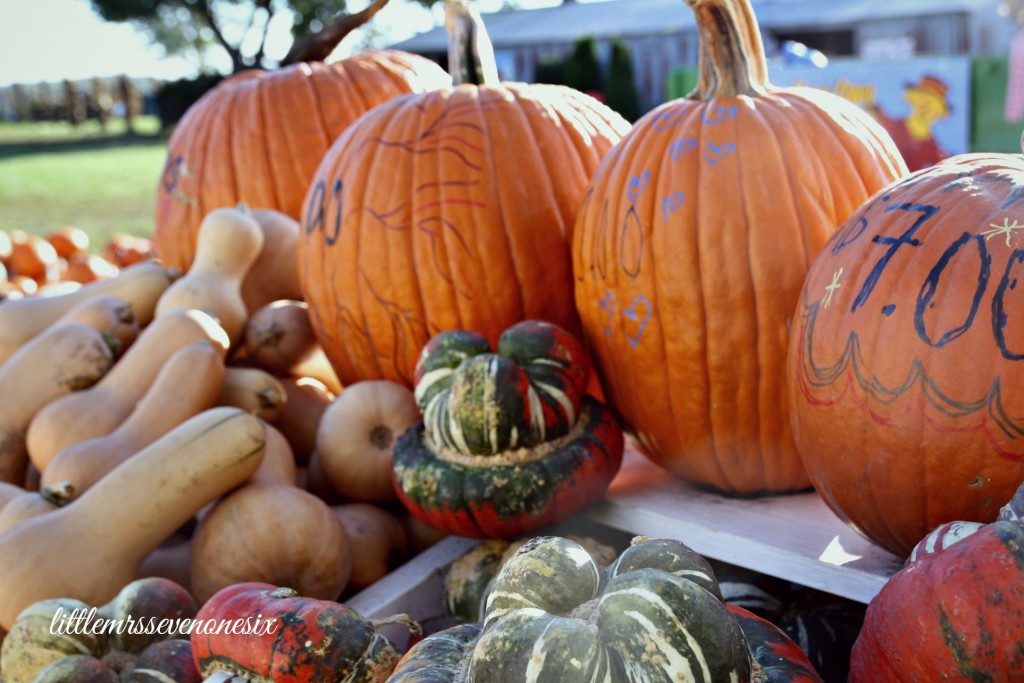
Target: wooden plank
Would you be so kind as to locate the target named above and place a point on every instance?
(415, 589)
(793, 537)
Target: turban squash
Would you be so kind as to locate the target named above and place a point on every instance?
(274, 634)
(954, 613)
(692, 244)
(906, 391)
(510, 442)
(448, 209)
(655, 614)
(258, 136)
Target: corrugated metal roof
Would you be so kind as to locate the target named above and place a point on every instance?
(628, 18)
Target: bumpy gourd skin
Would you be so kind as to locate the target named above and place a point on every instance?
(552, 615)
(510, 442)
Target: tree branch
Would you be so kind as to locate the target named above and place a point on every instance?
(203, 9)
(317, 46)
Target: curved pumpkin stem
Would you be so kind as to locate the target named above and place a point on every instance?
(732, 58)
(317, 46)
(470, 53)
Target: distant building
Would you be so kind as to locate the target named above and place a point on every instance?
(662, 37)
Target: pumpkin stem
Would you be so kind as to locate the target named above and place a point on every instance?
(470, 53)
(316, 47)
(732, 58)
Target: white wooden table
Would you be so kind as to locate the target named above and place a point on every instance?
(793, 537)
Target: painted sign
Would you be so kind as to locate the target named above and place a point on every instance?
(923, 103)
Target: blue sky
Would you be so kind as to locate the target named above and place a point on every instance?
(49, 40)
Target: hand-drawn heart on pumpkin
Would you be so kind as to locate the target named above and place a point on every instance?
(719, 114)
(670, 204)
(639, 311)
(637, 185)
(714, 153)
(681, 147)
(667, 119)
(607, 304)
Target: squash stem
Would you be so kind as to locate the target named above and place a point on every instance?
(404, 619)
(470, 53)
(732, 58)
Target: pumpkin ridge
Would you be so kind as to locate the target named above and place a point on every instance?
(707, 271)
(294, 148)
(517, 291)
(263, 106)
(754, 410)
(316, 70)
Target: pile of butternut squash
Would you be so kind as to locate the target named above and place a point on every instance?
(188, 426)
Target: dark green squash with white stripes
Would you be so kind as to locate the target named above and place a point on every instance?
(654, 615)
(510, 443)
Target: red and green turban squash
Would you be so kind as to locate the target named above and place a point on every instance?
(510, 442)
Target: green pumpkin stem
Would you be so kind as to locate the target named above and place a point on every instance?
(470, 53)
(732, 58)
(316, 47)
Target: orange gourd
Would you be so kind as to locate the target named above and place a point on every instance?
(691, 247)
(258, 136)
(471, 229)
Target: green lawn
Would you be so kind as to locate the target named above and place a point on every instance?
(52, 175)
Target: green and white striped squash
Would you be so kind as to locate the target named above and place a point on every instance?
(510, 442)
(654, 615)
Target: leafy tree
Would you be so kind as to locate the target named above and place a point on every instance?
(620, 88)
(582, 70)
(237, 26)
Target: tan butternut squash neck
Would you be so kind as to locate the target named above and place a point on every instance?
(732, 58)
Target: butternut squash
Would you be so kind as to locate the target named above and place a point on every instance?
(253, 390)
(275, 274)
(273, 534)
(306, 399)
(110, 315)
(172, 561)
(65, 358)
(227, 244)
(278, 466)
(279, 336)
(98, 411)
(187, 384)
(100, 539)
(9, 492)
(380, 538)
(140, 285)
(33, 503)
(356, 434)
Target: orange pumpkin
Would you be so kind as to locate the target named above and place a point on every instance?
(691, 247)
(906, 394)
(257, 136)
(450, 209)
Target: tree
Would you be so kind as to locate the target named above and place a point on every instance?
(620, 88)
(238, 26)
(582, 70)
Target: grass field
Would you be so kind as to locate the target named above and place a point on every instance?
(52, 174)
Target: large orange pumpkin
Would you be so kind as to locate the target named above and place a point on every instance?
(258, 136)
(448, 209)
(907, 394)
(691, 247)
